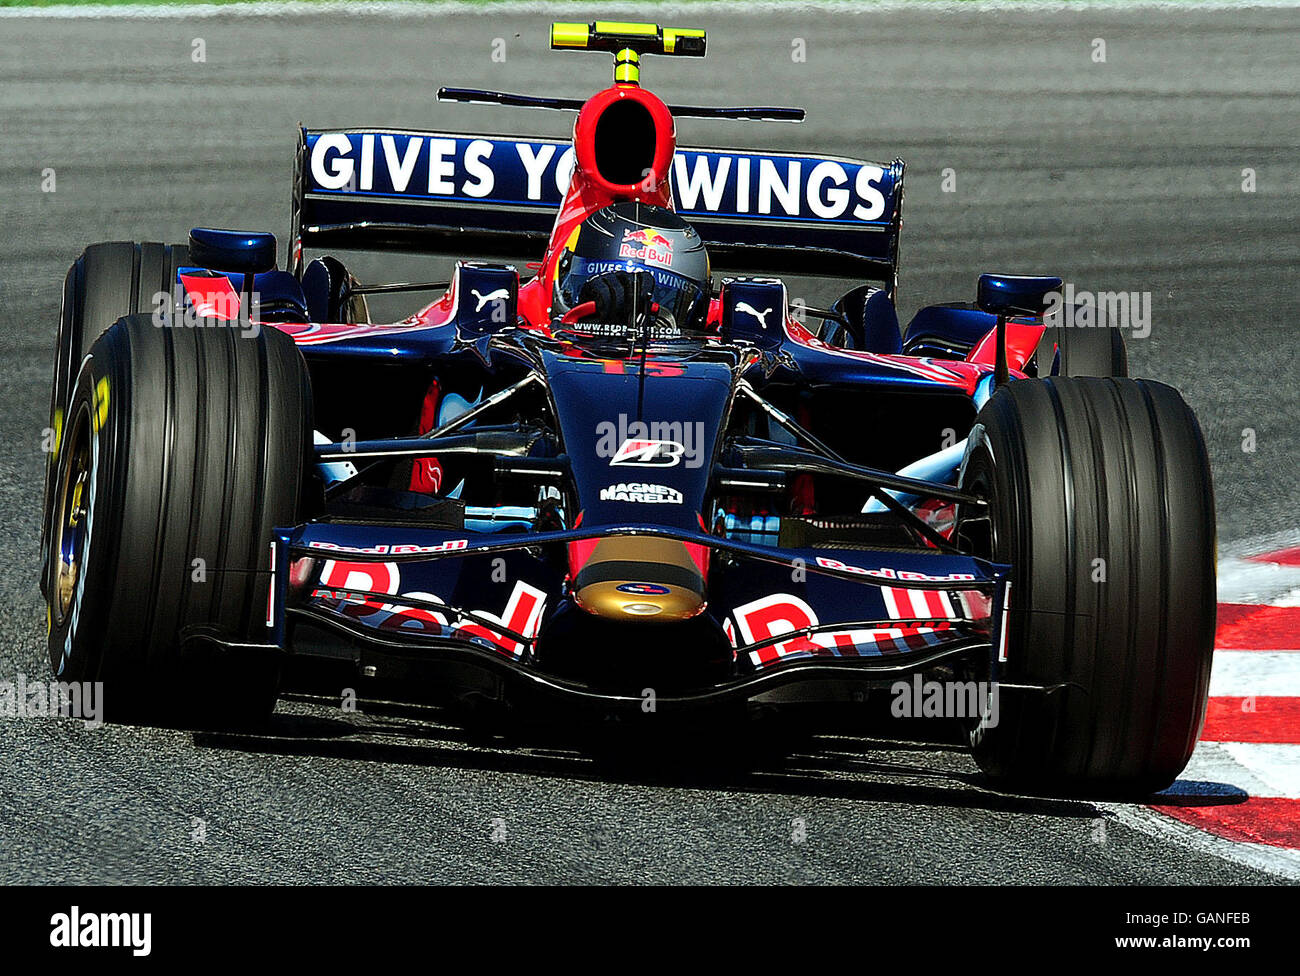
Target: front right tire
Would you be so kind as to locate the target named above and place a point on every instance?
(1099, 497)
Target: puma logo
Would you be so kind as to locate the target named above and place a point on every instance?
(500, 295)
(748, 308)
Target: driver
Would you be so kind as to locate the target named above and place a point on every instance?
(632, 264)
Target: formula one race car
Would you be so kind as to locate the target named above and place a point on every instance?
(639, 480)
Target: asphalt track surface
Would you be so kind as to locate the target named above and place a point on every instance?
(1122, 175)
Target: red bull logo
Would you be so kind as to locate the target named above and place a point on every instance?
(647, 245)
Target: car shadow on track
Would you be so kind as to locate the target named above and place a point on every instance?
(879, 760)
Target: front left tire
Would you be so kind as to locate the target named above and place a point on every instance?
(184, 448)
(108, 280)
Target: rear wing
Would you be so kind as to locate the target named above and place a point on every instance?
(479, 197)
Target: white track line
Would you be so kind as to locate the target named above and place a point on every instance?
(1274, 765)
(1254, 545)
(1264, 769)
(730, 8)
(1214, 763)
(1281, 861)
(1243, 580)
(1241, 674)
(1248, 581)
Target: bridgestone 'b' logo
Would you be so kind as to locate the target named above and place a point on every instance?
(649, 454)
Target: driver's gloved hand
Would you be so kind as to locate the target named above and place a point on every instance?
(617, 293)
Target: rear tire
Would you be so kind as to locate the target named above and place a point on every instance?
(188, 444)
(1100, 499)
(1079, 351)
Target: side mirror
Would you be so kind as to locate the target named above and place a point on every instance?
(246, 252)
(1015, 294)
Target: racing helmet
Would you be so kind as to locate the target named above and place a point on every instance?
(630, 260)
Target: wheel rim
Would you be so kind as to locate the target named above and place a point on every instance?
(72, 499)
(977, 533)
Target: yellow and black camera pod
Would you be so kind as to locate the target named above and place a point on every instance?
(627, 42)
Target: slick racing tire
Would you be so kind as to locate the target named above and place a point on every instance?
(107, 281)
(184, 447)
(1079, 351)
(1099, 498)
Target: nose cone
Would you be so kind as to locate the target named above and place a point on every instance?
(643, 579)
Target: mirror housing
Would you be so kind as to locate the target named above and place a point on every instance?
(247, 252)
(1015, 294)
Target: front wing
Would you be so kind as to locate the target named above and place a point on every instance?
(485, 599)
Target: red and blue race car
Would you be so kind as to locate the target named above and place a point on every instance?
(639, 477)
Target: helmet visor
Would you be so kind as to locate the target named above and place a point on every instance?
(681, 301)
